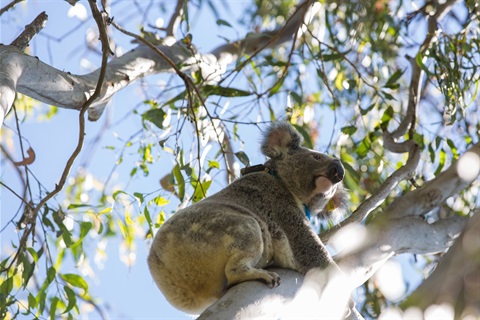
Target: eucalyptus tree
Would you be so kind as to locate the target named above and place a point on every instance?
(388, 87)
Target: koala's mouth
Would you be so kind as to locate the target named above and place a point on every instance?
(325, 186)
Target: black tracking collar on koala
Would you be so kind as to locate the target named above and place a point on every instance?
(257, 168)
(261, 167)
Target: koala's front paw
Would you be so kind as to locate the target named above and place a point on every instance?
(272, 279)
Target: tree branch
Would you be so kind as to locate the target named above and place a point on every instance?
(175, 19)
(254, 43)
(9, 6)
(31, 30)
(27, 75)
(364, 209)
(462, 265)
(433, 193)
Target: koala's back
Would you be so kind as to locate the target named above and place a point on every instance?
(192, 250)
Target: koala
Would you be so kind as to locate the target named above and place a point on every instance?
(259, 220)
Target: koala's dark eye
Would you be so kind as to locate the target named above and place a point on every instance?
(317, 156)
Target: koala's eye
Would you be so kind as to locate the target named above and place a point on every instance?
(317, 156)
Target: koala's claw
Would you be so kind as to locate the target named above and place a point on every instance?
(275, 280)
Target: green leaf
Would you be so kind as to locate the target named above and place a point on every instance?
(224, 91)
(28, 269)
(51, 273)
(332, 56)
(368, 109)
(388, 96)
(213, 164)
(453, 148)
(386, 117)
(85, 227)
(177, 174)
(201, 190)
(53, 307)
(41, 299)
(441, 162)
(146, 213)
(34, 254)
(354, 173)
(74, 206)
(71, 297)
(139, 196)
(155, 116)
(420, 63)
(221, 22)
(349, 130)
(32, 302)
(276, 87)
(392, 82)
(432, 153)
(75, 280)
(418, 138)
(116, 193)
(242, 156)
(6, 286)
(161, 201)
(363, 148)
(134, 171)
(296, 97)
(307, 141)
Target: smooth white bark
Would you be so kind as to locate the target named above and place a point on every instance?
(30, 76)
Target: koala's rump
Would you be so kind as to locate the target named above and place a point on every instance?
(190, 251)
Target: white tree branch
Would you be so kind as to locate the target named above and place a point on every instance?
(28, 75)
(433, 193)
(364, 209)
(175, 19)
(451, 282)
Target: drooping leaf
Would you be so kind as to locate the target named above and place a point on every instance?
(71, 297)
(75, 280)
(392, 81)
(363, 148)
(307, 141)
(349, 130)
(224, 91)
(53, 307)
(213, 164)
(242, 156)
(441, 161)
(180, 182)
(200, 191)
(155, 116)
(386, 117)
(221, 22)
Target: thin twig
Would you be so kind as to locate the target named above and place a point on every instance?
(9, 6)
(31, 30)
(273, 36)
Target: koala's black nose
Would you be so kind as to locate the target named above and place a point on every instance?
(336, 171)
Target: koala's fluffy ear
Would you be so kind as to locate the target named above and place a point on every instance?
(280, 139)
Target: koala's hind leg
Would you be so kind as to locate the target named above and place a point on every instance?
(239, 269)
(249, 253)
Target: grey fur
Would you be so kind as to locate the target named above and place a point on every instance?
(257, 221)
